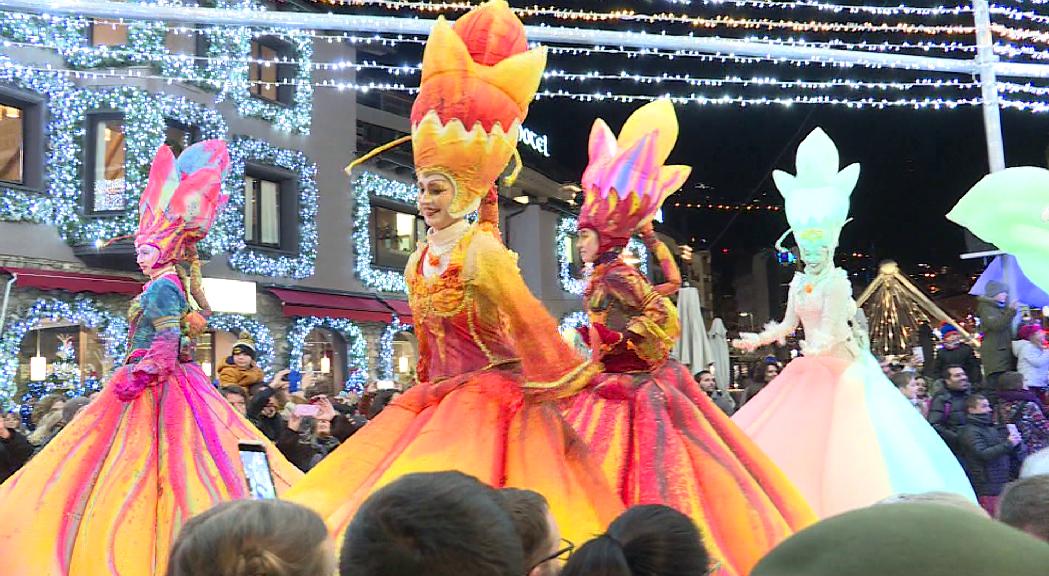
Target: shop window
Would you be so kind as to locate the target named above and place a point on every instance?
(395, 234)
(21, 138)
(62, 356)
(270, 208)
(108, 33)
(268, 75)
(105, 166)
(204, 354)
(324, 356)
(570, 247)
(405, 357)
(179, 136)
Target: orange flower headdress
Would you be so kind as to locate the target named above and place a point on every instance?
(478, 78)
(626, 182)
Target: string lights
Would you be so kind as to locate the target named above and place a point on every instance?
(112, 329)
(356, 347)
(386, 367)
(365, 186)
(229, 233)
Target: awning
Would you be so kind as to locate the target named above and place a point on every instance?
(404, 312)
(360, 308)
(73, 281)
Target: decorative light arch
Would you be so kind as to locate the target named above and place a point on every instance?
(386, 346)
(356, 347)
(81, 310)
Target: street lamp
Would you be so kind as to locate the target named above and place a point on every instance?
(749, 316)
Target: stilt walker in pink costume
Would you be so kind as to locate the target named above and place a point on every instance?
(159, 445)
(658, 437)
(831, 420)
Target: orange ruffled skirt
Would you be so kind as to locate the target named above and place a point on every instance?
(479, 423)
(110, 492)
(661, 440)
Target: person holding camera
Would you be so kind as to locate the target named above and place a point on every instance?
(307, 438)
(265, 405)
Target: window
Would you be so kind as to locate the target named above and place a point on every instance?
(108, 33)
(12, 144)
(105, 163)
(394, 236)
(179, 136)
(261, 211)
(570, 247)
(201, 46)
(269, 79)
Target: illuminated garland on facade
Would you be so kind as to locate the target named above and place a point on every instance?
(366, 186)
(236, 323)
(228, 234)
(386, 368)
(356, 347)
(567, 228)
(112, 329)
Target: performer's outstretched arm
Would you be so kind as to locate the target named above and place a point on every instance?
(667, 263)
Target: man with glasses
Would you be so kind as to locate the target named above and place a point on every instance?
(544, 549)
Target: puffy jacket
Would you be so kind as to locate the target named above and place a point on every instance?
(986, 454)
(962, 355)
(230, 375)
(947, 415)
(1033, 362)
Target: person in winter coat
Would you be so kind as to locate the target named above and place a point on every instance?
(997, 318)
(987, 450)
(761, 373)
(1021, 407)
(264, 407)
(15, 451)
(956, 353)
(1032, 358)
(947, 408)
(306, 448)
(239, 368)
(721, 398)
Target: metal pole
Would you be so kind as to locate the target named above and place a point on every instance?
(992, 119)
(422, 26)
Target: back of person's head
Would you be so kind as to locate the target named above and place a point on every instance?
(1025, 505)
(528, 511)
(650, 540)
(382, 399)
(235, 390)
(901, 379)
(1035, 464)
(439, 524)
(253, 538)
(1011, 381)
(905, 540)
(942, 498)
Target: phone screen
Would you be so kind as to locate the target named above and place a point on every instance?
(257, 471)
(294, 379)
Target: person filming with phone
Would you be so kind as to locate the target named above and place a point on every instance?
(307, 438)
(265, 405)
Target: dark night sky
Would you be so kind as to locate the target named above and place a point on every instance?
(915, 163)
(914, 167)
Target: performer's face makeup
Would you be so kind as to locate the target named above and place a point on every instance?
(815, 256)
(588, 245)
(435, 197)
(146, 256)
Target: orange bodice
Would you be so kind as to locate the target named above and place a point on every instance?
(478, 314)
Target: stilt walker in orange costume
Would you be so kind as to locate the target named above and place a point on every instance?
(659, 438)
(489, 353)
(109, 493)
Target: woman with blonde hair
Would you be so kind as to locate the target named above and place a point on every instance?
(253, 538)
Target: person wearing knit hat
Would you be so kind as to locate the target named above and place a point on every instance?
(907, 539)
(1032, 358)
(997, 320)
(239, 368)
(955, 352)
